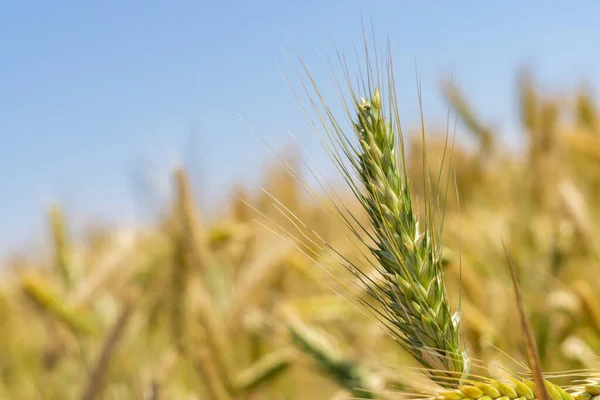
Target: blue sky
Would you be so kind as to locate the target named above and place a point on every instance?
(90, 91)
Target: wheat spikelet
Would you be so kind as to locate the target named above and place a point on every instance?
(585, 144)
(179, 288)
(411, 264)
(484, 134)
(590, 302)
(585, 112)
(48, 300)
(539, 117)
(529, 107)
(411, 289)
(62, 249)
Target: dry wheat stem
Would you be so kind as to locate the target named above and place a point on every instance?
(95, 381)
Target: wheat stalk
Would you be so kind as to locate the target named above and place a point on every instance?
(213, 384)
(345, 372)
(95, 382)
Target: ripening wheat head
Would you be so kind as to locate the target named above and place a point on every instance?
(409, 292)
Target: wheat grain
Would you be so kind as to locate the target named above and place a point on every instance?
(511, 389)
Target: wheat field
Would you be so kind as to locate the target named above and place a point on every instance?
(396, 285)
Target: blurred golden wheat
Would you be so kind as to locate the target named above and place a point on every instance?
(188, 310)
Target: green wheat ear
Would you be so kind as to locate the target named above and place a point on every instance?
(410, 298)
(411, 291)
